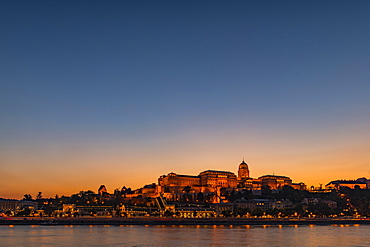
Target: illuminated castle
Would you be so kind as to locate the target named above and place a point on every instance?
(173, 185)
(207, 186)
(243, 171)
(207, 181)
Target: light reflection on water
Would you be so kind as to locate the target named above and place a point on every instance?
(199, 235)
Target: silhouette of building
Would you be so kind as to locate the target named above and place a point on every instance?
(102, 190)
(352, 184)
(364, 180)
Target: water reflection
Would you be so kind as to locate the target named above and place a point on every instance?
(195, 235)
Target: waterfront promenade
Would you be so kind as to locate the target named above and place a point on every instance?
(179, 221)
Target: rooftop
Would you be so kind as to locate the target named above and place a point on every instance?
(218, 171)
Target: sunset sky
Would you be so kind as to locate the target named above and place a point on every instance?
(121, 92)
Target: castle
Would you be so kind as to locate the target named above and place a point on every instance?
(173, 185)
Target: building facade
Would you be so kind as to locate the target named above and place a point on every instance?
(173, 185)
(275, 182)
(14, 206)
(206, 182)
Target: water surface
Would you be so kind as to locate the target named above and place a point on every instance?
(294, 235)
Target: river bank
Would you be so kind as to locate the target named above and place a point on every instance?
(180, 221)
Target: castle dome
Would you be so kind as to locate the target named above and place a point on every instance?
(243, 171)
(243, 165)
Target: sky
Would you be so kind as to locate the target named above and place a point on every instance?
(121, 92)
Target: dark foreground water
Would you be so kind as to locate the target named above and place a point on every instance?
(294, 235)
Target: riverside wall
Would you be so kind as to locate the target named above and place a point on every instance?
(180, 221)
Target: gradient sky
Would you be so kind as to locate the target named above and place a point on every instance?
(121, 92)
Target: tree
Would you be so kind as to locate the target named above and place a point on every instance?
(24, 212)
(241, 211)
(49, 209)
(299, 209)
(258, 212)
(227, 213)
(365, 208)
(27, 197)
(187, 189)
(266, 190)
(200, 197)
(244, 194)
(116, 198)
(320, 209)
(39, 195)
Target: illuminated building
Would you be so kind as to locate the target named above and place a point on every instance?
(211, 181)
(175, 180)
(244, 179)
(206, 186)
(299, 186)
(218, 179)
(275, 182)
(148, 191)
(14, 206)
(207, 181)
(243, 171)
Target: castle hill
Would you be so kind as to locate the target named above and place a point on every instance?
(212, 197)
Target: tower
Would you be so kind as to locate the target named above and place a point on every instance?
(243, 171)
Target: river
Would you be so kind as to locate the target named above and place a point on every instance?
(278, 235)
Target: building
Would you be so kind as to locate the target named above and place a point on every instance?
(15, 206)
(275, 182)
(251, 205)
(352, 184)
(173, 185)
(244, 179)
(206, 186)
(218, 179)
(206, 181)
(364, 180)
(176, 180)
(148, 191)
(299, 186)
(331, 204)
(243, 171)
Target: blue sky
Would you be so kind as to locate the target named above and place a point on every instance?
(182, 84)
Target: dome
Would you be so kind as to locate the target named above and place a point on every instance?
(243, 171)
(243, 165)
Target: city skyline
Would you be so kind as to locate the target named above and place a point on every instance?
(111, 190)
(120, 93)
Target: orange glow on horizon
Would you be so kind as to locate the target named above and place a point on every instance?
(70, 170)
